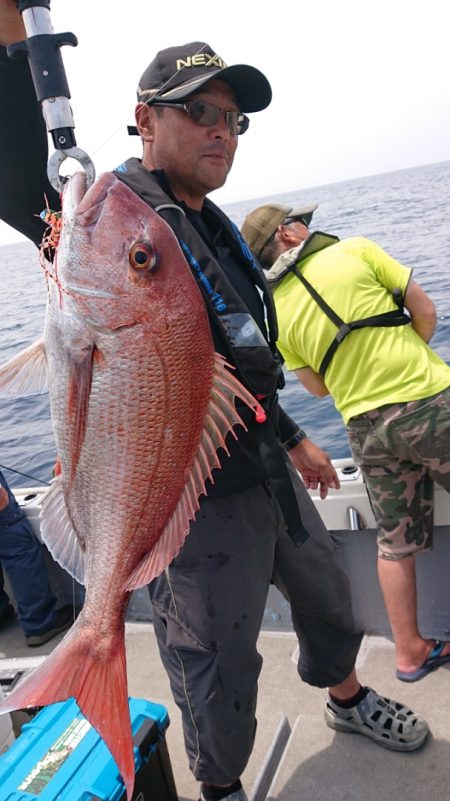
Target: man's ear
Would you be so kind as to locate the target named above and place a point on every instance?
(145, 121)
(284, 234)
(287, 235)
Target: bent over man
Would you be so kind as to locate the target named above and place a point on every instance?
(390, 387)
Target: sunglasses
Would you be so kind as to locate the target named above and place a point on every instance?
(301, 220)
(208, 114)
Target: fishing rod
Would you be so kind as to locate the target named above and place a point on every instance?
(42, 48)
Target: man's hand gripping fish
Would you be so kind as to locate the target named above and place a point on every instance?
(140, 404)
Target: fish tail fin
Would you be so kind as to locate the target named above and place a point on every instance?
(98, 683)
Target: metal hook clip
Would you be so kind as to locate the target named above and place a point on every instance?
(57, 158)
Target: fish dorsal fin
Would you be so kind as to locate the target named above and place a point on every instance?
(220, 420)
(58, 533)
(26, 373)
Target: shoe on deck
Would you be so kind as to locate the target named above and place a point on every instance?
(389, 723)
(62, 620)
(434, 661)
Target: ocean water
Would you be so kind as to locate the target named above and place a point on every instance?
(406, 212)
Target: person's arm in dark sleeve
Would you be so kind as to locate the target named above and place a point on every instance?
(25, 190)
(289, 430)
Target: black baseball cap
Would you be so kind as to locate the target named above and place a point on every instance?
(177, 72)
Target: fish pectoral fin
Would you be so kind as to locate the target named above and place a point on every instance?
(220, 420)
(26, 373)
(78, 397)
(58, 533)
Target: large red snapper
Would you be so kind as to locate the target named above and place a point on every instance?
(140, 404)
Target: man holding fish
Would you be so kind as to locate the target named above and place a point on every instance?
(254, 522)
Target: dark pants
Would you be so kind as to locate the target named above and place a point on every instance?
(208, 608)
(23, 559)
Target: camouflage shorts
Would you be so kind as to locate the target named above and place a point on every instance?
(401, 449)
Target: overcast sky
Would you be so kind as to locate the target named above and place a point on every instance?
(359, 87)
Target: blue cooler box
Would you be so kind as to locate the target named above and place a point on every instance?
(60, 757)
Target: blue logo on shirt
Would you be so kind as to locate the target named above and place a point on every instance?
(217, 300)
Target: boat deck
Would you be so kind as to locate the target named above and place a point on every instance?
(296, 756)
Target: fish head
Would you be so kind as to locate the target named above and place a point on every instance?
(118, 262)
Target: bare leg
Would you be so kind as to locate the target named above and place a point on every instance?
(347, 688)
(398, 584)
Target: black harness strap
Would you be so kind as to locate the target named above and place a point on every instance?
(386, 319)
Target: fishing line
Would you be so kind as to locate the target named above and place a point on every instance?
(25, 475)
(125, 120)
(123, 124)
(176, 72)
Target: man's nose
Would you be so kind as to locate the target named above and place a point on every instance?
(221, 127)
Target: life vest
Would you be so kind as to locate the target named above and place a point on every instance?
(256, 359)
(318, 241)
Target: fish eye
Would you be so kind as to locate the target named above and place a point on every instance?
(143, 256)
